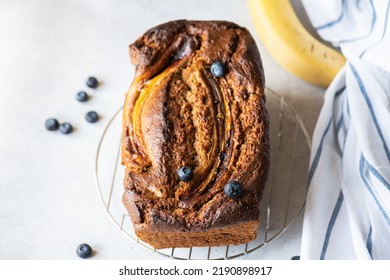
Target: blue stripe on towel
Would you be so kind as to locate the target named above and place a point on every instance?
(378, 175)
(384, 30)
(331, 23)
(373, 21)
(370, 107)
(339, 124)
(369, 242)
(317, 156)
(339, 91)
(316, 159)
(386, 20)
(361, 170)
(332, 221)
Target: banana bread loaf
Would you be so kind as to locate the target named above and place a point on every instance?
(195, 135)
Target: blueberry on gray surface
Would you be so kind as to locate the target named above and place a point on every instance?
(92, 117)
(218, 69)
(52, 124)
(184, 174)
(92, 82)
(233, 189)
(84, 251)
(66, 128)
(82, 96)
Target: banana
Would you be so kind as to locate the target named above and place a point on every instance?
(291, 45)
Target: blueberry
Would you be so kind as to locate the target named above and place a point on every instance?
(218, 69)
(92, 82)
(92, 117)
(184, 174)
(66, 128)
(233, 189)
(82, 96)
(52, 124)
(84, 251)
(296, 258)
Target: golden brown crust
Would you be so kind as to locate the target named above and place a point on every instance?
(178, 114)
(229, 235)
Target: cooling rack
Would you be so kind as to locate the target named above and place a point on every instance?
(283, 199)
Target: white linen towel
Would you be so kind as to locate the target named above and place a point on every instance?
(347, 214)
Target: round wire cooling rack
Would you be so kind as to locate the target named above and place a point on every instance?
(283, 199)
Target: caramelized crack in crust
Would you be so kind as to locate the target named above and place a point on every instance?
(178, 114)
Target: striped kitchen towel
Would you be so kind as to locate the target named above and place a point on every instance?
(347, 215)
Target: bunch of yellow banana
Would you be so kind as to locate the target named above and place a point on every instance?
(291, 45)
